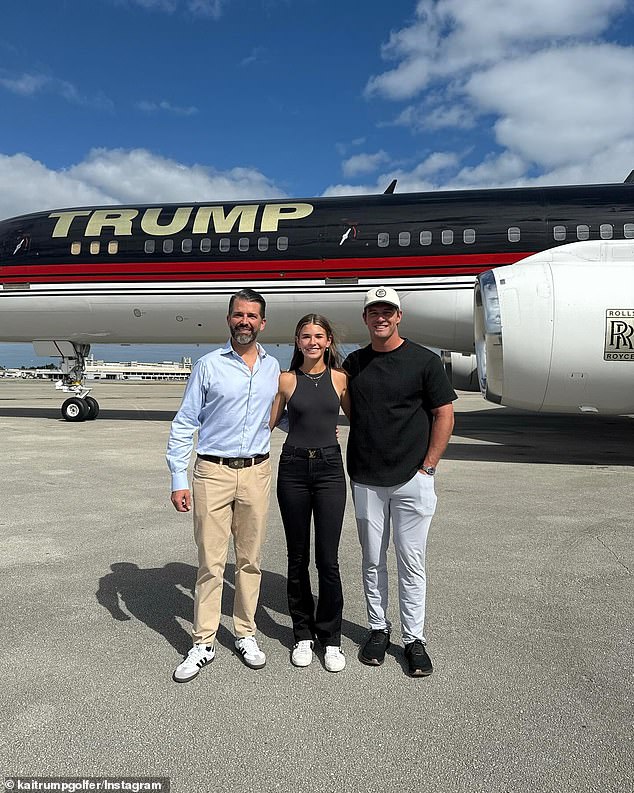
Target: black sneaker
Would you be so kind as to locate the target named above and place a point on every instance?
(419, 662)
(373, 651)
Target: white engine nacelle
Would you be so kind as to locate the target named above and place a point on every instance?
(461, 369)
(555, 331)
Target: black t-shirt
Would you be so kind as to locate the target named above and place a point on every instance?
(392, 394)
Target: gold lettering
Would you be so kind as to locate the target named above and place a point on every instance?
(150, 224)
(274, 213)
(120, 220)
(223, 224)
(62, 227)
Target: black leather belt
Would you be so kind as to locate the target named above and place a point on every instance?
(308, 454)
(236, 462)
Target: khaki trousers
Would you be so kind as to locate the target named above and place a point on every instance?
(228, 501)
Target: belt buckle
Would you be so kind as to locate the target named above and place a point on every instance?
(236, 463)
(312, 454)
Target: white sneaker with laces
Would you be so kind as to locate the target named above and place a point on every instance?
(251, 654)
(302, 653)
(334, 660)
(199, 655)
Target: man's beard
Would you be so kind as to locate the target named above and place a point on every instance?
(243, 336)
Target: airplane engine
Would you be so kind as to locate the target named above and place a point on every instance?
(555, 332)
(461, 369)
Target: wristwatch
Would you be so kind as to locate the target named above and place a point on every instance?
(430, 470)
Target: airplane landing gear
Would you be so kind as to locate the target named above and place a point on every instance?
(93, 408)
(80, 406)
(75, 409)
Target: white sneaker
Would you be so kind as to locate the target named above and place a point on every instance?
(199, 655)
(334, 660)
(252, 656)
(302, 653)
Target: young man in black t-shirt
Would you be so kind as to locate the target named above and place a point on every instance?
(401, 419)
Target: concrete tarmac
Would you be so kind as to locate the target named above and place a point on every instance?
(530, 613)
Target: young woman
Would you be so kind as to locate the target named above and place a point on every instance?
(311, 482)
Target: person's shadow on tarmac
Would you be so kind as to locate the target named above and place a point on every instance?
(157, 596)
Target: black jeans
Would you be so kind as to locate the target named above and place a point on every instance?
(313, 485)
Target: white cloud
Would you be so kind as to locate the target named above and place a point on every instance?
(560, 105)
(117, 176)
(414, 180)
(343, 148)
(494, 171)
(208, 8)
(212, 8)
(363, 163)
(25, 84)
(438, 161)
(556, 100)
(31, 84)
(450, 37)
(424, 117)
(167, 107)
(29, 186)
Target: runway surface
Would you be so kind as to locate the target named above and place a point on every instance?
(530, 613)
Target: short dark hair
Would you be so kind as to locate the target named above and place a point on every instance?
(251, 296)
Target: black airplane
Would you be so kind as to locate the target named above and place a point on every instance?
(533, 288)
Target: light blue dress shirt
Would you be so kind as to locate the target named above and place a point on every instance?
(229, 404)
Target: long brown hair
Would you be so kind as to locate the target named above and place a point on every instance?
(332, 356)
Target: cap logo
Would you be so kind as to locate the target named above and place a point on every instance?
(380, 293)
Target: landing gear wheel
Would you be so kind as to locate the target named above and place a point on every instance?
(75, 409)
(93, 408)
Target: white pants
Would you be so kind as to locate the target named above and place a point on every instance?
(409, 507)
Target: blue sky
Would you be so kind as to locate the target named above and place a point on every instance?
(129, 101)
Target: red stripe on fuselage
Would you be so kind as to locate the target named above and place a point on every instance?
(273, 269)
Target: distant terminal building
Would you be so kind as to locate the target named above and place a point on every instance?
(107, 370)
(133, 370)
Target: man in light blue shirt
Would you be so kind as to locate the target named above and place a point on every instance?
(228, 401)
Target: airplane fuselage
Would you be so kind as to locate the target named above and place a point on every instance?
(164, 273)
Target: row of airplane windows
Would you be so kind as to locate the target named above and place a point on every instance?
(404, 238)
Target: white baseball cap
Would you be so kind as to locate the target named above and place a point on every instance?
(382, 294)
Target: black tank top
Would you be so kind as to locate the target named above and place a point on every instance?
(312, 412)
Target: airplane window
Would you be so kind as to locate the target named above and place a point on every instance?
(186, 246)
(224, 244)
(583, 232)
(559, 232)
(75, 248)
(425, 238)
(605, 230)
(149, 246)
(113, 246)
(168, 246)
(263, 243)
(628, 231)
(282, 243)
(205, 245)
(468, 236)
(403, 238)
(94, 247)
(243, 244)
(446, 237)
(383, 240)
(514, 234)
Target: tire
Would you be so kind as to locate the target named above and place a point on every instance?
(75, 409)
(93, 408)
